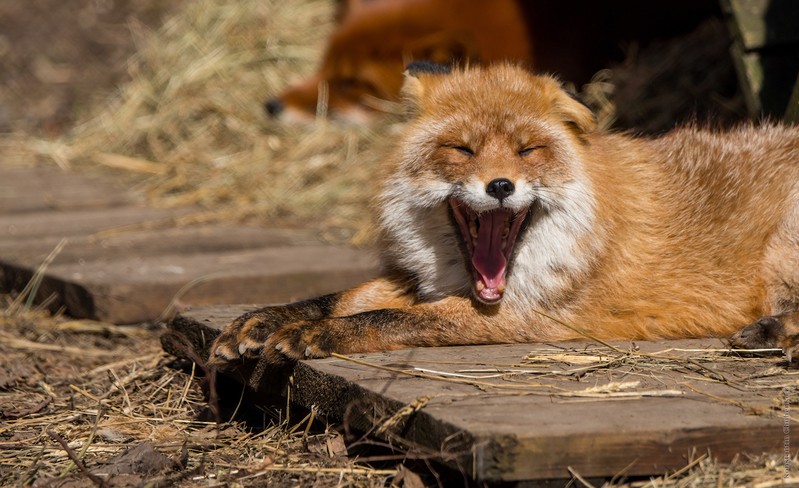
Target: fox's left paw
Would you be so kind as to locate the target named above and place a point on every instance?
(304, 339)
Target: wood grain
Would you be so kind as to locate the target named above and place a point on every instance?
(540, 424)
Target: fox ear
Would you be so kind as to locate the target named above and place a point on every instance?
(575, 112)
(415, 74)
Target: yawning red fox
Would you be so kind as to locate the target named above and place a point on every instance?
(507, 216)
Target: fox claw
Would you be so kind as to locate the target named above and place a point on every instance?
(303, 340)
(253, 336)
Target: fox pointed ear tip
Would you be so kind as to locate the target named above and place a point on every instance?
(416, 68)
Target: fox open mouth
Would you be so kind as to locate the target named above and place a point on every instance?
(489, 238)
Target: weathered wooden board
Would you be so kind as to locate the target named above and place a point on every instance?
(531, 411)
(39, 188)
(123, 262)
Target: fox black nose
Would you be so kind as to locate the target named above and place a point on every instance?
(273, 107)
(500, 188)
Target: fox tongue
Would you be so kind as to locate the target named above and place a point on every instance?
(488, 258)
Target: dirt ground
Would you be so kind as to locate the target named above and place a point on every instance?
(84, 403)
(57, 59)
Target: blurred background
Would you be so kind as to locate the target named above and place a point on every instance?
(170, 95)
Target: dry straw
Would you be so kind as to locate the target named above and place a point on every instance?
(90, 403)
(190, 122)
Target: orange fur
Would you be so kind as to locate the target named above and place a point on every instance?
(692, 234)
(363, 63)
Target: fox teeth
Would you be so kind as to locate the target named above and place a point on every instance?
(473, 228)
(480, 285)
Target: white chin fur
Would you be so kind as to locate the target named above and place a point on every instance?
(425, 243)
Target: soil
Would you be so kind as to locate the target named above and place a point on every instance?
(59, 58)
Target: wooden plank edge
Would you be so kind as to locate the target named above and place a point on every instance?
(484, 458)
(502, 457)
(58, 294)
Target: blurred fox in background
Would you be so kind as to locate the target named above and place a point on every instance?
(361, 69)
(360, 72)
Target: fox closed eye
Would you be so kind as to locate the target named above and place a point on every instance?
(463, 150)
(528, 150)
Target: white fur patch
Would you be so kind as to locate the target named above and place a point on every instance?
(424, 241)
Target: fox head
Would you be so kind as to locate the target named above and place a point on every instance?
(487, 192)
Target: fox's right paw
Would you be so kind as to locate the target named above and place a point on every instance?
(243, 338)
(768, 333)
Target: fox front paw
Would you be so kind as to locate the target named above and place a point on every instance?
(302, 340)
(768, 333)
(244, 338)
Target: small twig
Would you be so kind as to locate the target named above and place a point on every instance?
(75, 459)
(687, 467)
(32, 287)
(400, 415)
(580, 478)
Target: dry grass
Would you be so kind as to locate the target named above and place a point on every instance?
(127, 416)
(190, 123)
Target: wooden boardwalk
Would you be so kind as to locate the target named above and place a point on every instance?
(510, 412)
(124, 262)
(537, 411)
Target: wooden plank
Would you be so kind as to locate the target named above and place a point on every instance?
(125, 263)
(792, 112)
(537, 424)
(83, 222)
(765, 52)
(111, 245)
(137, 289)
(40, 188)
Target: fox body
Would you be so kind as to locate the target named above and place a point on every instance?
(507, 216)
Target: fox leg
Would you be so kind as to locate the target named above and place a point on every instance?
(450, 321)
(780, 326)
(245, 336)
